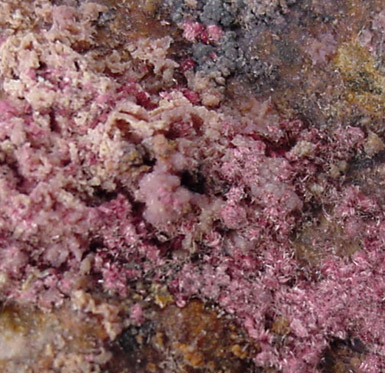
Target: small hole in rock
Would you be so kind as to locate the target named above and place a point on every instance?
(193, 181)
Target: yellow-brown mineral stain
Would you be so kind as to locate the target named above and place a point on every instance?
(321, 238)
(365, 83)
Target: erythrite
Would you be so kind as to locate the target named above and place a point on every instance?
(132, 168)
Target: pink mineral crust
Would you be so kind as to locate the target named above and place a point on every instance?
(111, 173)
(321, 49)
(195, 31)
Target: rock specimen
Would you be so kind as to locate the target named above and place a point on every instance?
(197, 186)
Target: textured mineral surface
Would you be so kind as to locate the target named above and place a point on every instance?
(192, 186)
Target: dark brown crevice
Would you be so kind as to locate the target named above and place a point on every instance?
(342, 356)
(194, 181)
